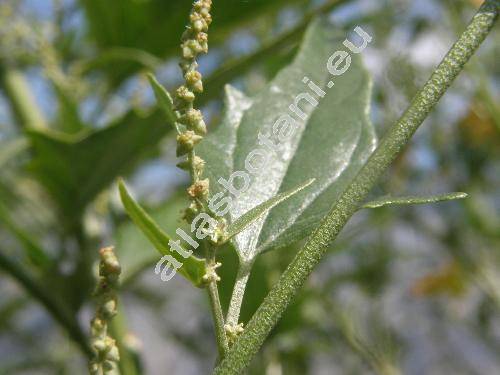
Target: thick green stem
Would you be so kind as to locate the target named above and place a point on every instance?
(268, 314)
(57, 311)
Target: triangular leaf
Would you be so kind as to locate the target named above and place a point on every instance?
(391, 201)
(192, 268)
(331, 143)
(255, 213)
(75, 168)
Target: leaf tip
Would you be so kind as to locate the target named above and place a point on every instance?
(122, 189)
(151, 78)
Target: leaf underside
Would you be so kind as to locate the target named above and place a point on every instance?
(330, 145)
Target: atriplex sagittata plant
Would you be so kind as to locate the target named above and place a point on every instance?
(339, 156)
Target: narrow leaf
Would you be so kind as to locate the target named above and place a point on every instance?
(390, 201)
(163, 98)
(192, 269)
(258, 211)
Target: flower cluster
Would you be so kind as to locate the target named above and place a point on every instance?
(105, 350)
(194, 41)
(233, 331)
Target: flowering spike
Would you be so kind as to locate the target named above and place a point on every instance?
(194, 41)
(106, 354)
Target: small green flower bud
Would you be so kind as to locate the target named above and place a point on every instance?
(193, 119)
(206, 16)
(195, 16)
(211, 274)
(200, 128)
(94, 369)
(113, 354)
(99, 345)
(204, 12)
(108, 365)
(198, 165)
(202, 39)
(184, 94)
(200, 25)
(190, 48)
(109, 264)
(199, 189)
(198, 5)
(187, 52)
(193, 79)
(96, 326)
(219, 235)
(192, 116)
(233, 331)
(186, 141)
(109, 308)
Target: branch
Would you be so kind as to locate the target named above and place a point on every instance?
(23, 104)
(268, 314)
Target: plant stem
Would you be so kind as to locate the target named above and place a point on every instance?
(215, 306)
(218, 316)
(397, 137)
(63, 317)
(23, 104)
(233, 312)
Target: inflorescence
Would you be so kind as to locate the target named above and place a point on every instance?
(106, 354)
(194, 41)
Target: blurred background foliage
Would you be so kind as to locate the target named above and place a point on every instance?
(412, 290)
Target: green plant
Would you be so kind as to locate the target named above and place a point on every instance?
(273, 181)
(240, 131)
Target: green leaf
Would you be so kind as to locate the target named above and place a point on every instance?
(164, 99)
(75, 168)
(390, 201)
(32, 249)
(192, 268)
(11, 149)
(330, 144)
(128, 239)
(255, 213)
